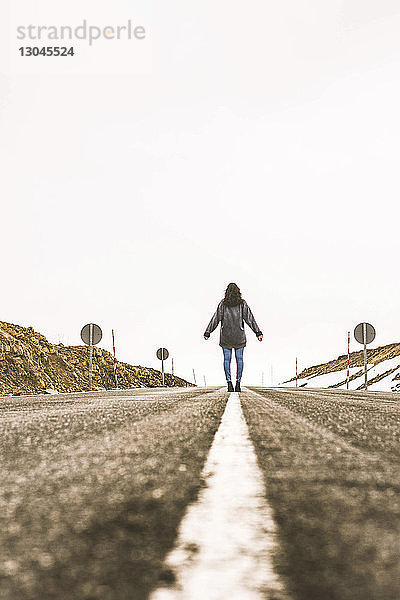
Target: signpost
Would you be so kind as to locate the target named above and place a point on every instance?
(348, 360)
(115, 360)
(162, 354)
(91, 335)
(365, 334)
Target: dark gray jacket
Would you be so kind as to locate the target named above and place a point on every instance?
(232, 333)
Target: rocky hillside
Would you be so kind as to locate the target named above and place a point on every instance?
(383, 370)
(31, 364)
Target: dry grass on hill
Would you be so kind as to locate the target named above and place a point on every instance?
(29, 363)
(375, 356)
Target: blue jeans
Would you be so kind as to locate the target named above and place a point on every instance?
(239, 363)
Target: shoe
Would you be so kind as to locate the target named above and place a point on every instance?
(237, 387)
(230, 386)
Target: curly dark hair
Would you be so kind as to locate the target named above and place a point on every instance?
(233, 296)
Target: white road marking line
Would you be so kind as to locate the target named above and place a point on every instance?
(227, 538)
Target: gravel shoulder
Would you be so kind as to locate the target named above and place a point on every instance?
(93, 490)
(336, 499)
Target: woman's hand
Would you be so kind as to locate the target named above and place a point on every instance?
(206, 337)
(260, 337)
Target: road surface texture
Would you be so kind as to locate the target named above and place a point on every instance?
(227, 542)
(331, 465)
(95, 488)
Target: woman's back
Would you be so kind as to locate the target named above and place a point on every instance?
(232, 312)
(232, 326)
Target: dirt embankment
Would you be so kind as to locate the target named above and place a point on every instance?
(375, 356)
(29, 363)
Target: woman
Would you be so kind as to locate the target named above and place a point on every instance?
(232, 311)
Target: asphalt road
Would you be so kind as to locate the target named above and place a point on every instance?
(94, 486)
(330, 462)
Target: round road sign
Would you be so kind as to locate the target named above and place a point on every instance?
(91, 330)
(162, 354)
(369, 333)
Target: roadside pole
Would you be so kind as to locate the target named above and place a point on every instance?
(205, 382)
(162, 354)
(115, 360)
(365, 334)
(296, 371)
(194, 377)
(262, 379)
(348, 360)
(173, 376)
(365, 356)
(91, 335)
(90, 355)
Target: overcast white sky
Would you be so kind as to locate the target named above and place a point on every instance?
(252, 141)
